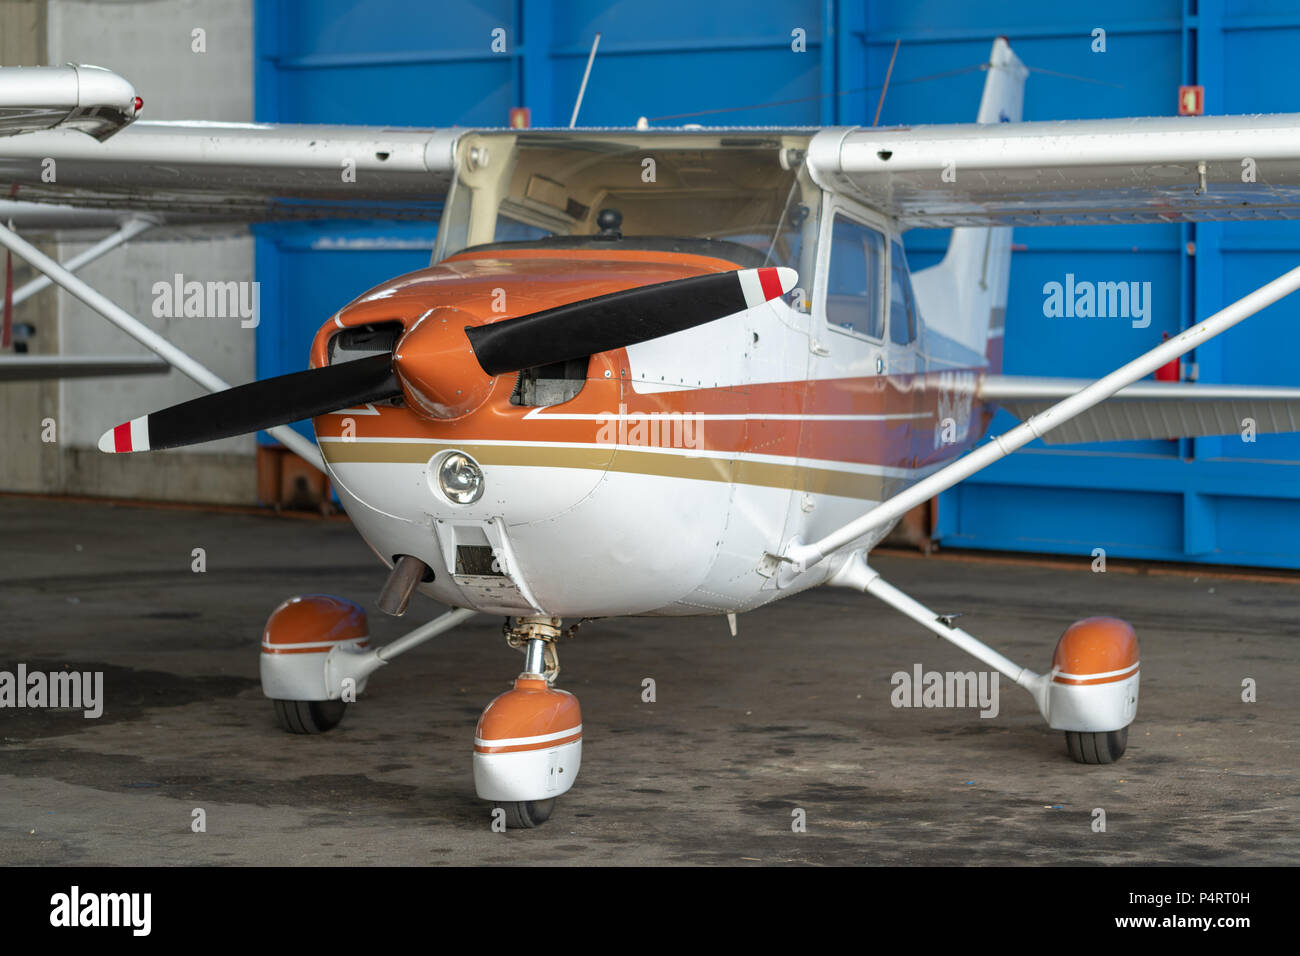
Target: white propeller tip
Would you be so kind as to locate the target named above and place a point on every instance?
(765, 284)
(129, 436)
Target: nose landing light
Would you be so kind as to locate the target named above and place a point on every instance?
(460, 479)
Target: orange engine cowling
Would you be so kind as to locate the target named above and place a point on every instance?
(528, 744)
(1094, 678)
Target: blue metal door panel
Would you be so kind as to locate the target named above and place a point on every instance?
(1084, 517)
(702, 80)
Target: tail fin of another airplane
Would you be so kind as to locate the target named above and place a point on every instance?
(965, 296)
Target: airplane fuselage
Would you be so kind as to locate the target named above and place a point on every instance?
(654, 480)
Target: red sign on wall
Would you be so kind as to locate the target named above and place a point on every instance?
(1191, 100)
(520, 117)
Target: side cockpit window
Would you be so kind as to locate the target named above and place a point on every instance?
(902, 305)
(855, 278)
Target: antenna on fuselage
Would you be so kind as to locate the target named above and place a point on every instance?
(582, 90)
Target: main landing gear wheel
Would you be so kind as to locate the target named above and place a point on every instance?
(526, 814)
(1105, 747)
(309, 716)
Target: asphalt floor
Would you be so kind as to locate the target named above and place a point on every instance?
(789, 722)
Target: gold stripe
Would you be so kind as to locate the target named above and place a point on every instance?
(825, 481)
(417, 453)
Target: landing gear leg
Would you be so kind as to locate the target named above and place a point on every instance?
(1093, 683)
(528, 745)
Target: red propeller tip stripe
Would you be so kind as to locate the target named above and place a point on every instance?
(129, 436)
(763, 285)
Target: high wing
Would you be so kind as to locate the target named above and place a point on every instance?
(184, 172)
(1149, 409)
(1072, 172)
(1021, 174)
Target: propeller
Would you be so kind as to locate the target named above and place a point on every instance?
(542, 338)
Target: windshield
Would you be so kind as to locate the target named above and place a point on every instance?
(732, 197)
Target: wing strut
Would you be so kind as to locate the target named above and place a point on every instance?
(129, 230)
(803, 556)
(144, 335)
(857, 574)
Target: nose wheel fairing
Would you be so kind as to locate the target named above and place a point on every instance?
(528, 743)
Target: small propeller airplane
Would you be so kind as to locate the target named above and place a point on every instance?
(693, 392)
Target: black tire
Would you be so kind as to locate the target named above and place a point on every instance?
(309, 716)
(1106, 747)
(526, 814)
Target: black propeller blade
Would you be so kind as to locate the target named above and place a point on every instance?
(620, 319)
(258, 405)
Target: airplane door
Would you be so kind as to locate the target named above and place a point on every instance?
(844, 449)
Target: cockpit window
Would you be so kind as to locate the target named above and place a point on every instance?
(512, 230)
(902, 306)
(855, 278)
(749, 197)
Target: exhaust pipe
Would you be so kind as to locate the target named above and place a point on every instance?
(408, 572)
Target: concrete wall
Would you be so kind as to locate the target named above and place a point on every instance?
(25, 462)
(152, 44)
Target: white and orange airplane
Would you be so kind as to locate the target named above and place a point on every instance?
(674, 372)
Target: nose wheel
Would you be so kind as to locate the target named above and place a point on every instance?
(526, 814)
(528, 744)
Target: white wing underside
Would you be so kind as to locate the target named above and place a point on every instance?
(1150, 410)
(188, 172)
(1071, 172)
